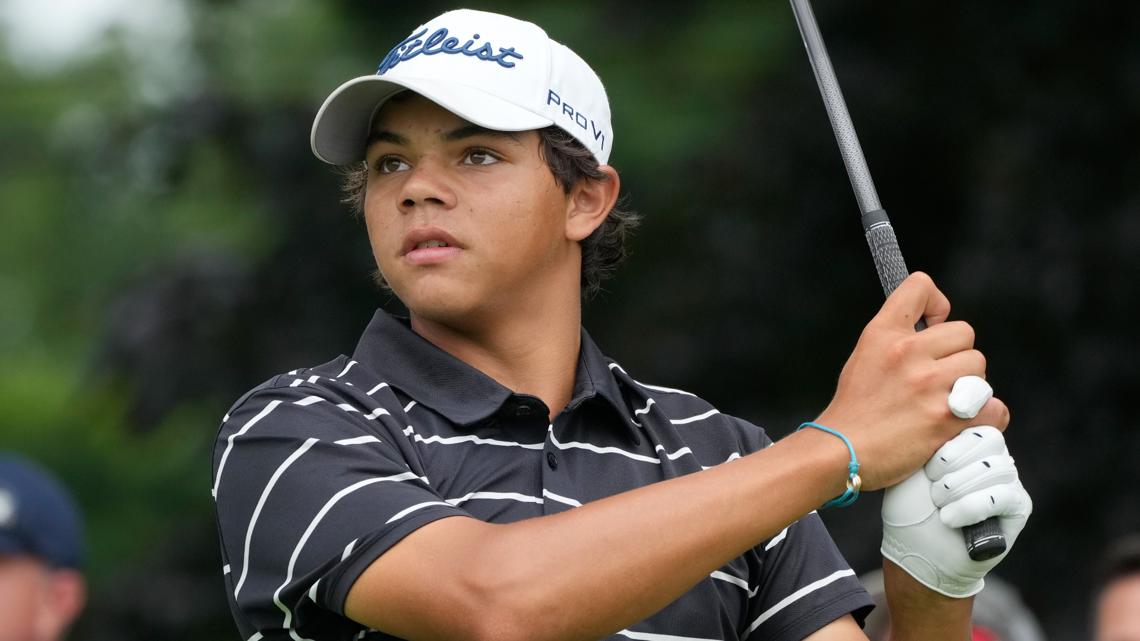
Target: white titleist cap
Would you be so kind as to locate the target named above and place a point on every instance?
(491, 70)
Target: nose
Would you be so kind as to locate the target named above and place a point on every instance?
(426, 185)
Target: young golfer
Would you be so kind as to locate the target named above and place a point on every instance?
(480, 470)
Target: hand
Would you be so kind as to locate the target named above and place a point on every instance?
(968, 480)
(891, 397)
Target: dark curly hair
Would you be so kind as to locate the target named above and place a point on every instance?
(570, 162)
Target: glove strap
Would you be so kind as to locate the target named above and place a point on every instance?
(854, 482)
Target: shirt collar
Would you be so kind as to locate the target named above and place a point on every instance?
(463, 394)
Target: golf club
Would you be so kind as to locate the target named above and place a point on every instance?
(984, 540)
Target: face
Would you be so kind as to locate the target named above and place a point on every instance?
(1118, 611)
(465, 223)
(36, 602)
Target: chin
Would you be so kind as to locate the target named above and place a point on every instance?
(447, 303)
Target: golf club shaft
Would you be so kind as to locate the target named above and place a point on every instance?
(983, 540)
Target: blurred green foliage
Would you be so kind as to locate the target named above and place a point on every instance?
(168, 242)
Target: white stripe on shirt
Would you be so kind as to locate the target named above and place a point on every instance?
(674, 455)
(346, 368)
(560, 499)
(230, 442)
(376, 413)
(511, 496)
(359, 440)
(469, 438)
(694, 419)
(600, 450)
(287, 623)
(737, 581)
(348, 549)
(645, 409)
(650, 636)
(731, 457)
(796, 596)
(669, 390)
(655, 388)
(261, 503)
(776, 539)
(408, 510)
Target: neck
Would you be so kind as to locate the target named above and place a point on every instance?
(532, 349)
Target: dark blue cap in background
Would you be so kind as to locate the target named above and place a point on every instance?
(37, 515)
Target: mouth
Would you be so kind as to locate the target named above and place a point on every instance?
(429, 245)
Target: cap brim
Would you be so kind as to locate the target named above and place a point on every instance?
(341, 127)
(11, 545)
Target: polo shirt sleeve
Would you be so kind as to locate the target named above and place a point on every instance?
(309, 489)
(805, 584)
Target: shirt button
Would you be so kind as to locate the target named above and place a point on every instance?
(522, 410)
(552, 460)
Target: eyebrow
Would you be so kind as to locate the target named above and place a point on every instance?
(470, 131)
(461, 133)
(383, 135)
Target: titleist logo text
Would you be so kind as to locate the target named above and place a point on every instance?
(439, 42)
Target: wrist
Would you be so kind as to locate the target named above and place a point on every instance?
(917, 612)
(853, 483)
(823, 458)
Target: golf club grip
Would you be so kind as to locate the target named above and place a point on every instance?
(984, 540)
(889, 261)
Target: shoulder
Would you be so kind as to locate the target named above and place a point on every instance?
(342, 382)
(295, 384)
(333, 401)
(681, 409)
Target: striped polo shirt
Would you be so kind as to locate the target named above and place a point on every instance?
(318, 471)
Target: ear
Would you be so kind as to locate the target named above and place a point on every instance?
(590, 202)
(68, 596)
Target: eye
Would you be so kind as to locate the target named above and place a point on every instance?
(391, 164)
(480, 157)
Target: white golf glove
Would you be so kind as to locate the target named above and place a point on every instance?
(969, 479)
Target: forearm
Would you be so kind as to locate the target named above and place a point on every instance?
(921, 614)
(596, 569)
(614, 562)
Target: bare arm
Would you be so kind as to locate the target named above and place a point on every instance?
(919, 614)
(593, 570)
(588, 572)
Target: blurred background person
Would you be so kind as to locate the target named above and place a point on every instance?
(999, 613)
(41, 551)
(1118, 593)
